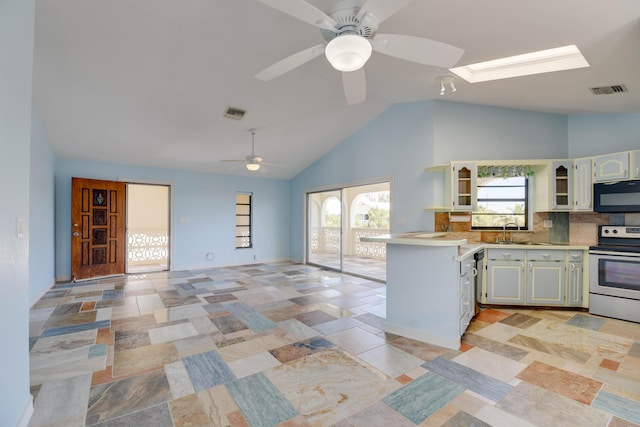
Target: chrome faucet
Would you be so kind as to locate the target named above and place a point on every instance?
(504, 231)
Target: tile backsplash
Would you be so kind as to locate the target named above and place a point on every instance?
(578, 228)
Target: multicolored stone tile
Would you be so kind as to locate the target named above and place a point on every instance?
(295, 346)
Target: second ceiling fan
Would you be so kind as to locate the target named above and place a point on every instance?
(350, 29)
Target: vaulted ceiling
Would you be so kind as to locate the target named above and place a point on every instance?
(147, 82)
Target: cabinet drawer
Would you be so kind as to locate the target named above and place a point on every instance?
(545, 255)
(465, 283)
(506, 254)
(464, 305)
(576, 256)
(467, 265)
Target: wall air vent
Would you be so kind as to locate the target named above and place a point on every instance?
(234, 113)
(608, 90)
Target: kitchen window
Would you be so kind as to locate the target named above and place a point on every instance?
(243, 221)
(501, 201)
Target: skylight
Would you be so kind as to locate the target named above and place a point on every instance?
(542, 61)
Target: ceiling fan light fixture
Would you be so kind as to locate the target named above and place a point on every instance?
(253, 166)
(348, 52)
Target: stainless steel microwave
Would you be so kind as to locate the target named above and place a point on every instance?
(622, 196)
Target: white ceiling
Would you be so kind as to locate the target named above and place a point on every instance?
(147, 82)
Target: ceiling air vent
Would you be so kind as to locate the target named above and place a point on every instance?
(234, 113)
(608, 90)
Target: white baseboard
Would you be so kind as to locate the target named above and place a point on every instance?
(214, 265)
(40, 295)
(27, 413)
(451, 343)
(63, 279)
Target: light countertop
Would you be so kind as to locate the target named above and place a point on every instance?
(465, 248)
(417, 238)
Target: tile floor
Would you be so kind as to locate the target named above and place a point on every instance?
(293, 345)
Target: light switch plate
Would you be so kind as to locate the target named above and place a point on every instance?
(20, 227)
(547, 223)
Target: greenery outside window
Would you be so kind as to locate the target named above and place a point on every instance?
(501, 201)
(243, 220)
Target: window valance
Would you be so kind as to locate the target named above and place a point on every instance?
(505, 171)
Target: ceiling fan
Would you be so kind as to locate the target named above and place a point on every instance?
(350, 29)
(251, 162)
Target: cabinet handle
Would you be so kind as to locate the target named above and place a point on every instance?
(474, 272)
(506, 254)
(573, 267)
(530, 266)
(546, 255)
(637, 171)
(522, 265)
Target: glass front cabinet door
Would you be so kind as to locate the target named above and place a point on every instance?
(562, 185)
(464, 177)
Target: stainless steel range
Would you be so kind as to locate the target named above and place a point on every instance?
(614, 273)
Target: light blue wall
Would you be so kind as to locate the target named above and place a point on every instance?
(41, 218)
(203, 217)
(406, 138)
(398, 143)
(16, 59)
(594, 134)
(476, 132)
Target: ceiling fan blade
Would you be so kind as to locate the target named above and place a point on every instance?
(304, 11)
(355, 86)
(381, 9)
(290, 62)
(417, 49)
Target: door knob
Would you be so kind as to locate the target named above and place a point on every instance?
(76, 234)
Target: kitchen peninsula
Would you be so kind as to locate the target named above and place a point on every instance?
(431, 295)
(430, 286)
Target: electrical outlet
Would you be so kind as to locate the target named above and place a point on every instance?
(547, 223)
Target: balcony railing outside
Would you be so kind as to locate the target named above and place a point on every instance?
(326, 240)
(147, 247)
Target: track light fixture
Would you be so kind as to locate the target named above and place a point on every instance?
(446, 81)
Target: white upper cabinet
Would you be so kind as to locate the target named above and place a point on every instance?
(635, 164)
(464, 178)
(583, 184)
(554, 186)
(611, 167)
(562, 185)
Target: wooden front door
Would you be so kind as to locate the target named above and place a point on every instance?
(97, 228)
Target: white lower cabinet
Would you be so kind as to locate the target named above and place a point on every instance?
(505, 282)
(533, 277)
(466, 293)
(575, 274)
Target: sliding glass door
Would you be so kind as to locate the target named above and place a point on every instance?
(337, 219)
(324, 242)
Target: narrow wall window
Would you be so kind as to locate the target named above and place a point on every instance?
(243, 220)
